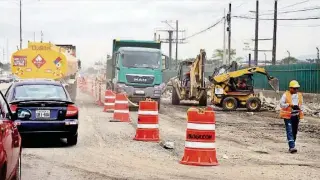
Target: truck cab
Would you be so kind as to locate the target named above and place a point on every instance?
(137, 71)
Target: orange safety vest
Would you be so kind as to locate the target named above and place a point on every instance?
(285, 113)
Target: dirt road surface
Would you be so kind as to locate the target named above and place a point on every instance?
(248, 147)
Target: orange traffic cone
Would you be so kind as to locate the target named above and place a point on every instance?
(109, 100)
(98, 94)
(121, 109)
(148, 122)
(200, 149)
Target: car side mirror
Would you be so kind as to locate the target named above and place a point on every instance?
(117, 68)
(165, 62)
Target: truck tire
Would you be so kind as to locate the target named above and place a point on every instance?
(159, 102)
(229, 104)
(253, 104)
(74, 87)
(203, 100)
(175, 98)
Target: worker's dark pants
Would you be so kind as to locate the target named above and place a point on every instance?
(292, 130)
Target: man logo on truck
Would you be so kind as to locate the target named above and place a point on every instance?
(139, 79)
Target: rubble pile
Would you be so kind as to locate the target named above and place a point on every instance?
(272, 104)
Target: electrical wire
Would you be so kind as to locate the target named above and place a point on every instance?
(204, 30)
(317, 25)
(298, 3)
(292, 11)
(279, 19)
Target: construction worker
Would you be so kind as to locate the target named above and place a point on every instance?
(292, 112)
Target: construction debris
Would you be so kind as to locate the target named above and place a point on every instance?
(272, 104)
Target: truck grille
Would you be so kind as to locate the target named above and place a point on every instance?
(141, 79)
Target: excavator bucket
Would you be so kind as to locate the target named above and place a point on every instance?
(274, 83)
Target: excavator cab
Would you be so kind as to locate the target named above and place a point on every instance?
(190, 82)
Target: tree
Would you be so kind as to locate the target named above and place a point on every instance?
(289, 60)
(218, 54)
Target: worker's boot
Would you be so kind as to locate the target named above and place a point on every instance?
(293, 150)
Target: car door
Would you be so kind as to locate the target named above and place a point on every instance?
(11, 139)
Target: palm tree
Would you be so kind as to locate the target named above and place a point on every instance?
(218, 54)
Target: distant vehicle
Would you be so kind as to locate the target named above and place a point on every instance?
(10, 148)
(50, 61)
(48, 107)
(6, 78)
(136, 68)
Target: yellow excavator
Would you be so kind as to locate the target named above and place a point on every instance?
(190, 82)
(235, 89)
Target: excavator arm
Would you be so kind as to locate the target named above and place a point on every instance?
(274, 82)
(197, 73)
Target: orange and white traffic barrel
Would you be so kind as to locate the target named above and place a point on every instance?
(99, 92)
(121, 108)
(200, 148)
(92, 87)
(109, 101)
(148, 122)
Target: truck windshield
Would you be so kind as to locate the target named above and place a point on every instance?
(138, 59)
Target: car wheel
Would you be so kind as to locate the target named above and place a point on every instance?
(72, 140)
(17, 175)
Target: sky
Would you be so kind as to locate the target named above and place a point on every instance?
(92, 24)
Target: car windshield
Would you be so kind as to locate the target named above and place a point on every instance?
(140, 59)
(39, 91)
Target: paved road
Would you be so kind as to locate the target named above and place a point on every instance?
(249, 147)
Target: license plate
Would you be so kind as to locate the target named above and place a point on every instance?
(139, 92)
(42, 113)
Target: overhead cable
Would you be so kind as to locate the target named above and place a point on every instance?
(206, 29)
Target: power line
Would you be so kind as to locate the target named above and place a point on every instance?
(280, 19)
(298, 3)
(293, 11)
(317, 25)
(204, 30)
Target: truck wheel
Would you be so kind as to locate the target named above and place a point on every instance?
(159, 102)
(72, 140)
(253, 104)
(229, 104)
(175, 98)
(109, 86)
(203, 100)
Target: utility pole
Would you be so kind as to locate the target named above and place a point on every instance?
(155, 36)
(177, 42)
(256, 42)
(8, 58)
(170, 48)
(274, 44)
(249, 59)
(3, 55)
(224, 38)
(318, 58)
(229, 34)
(20, 24)
(170, 40)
